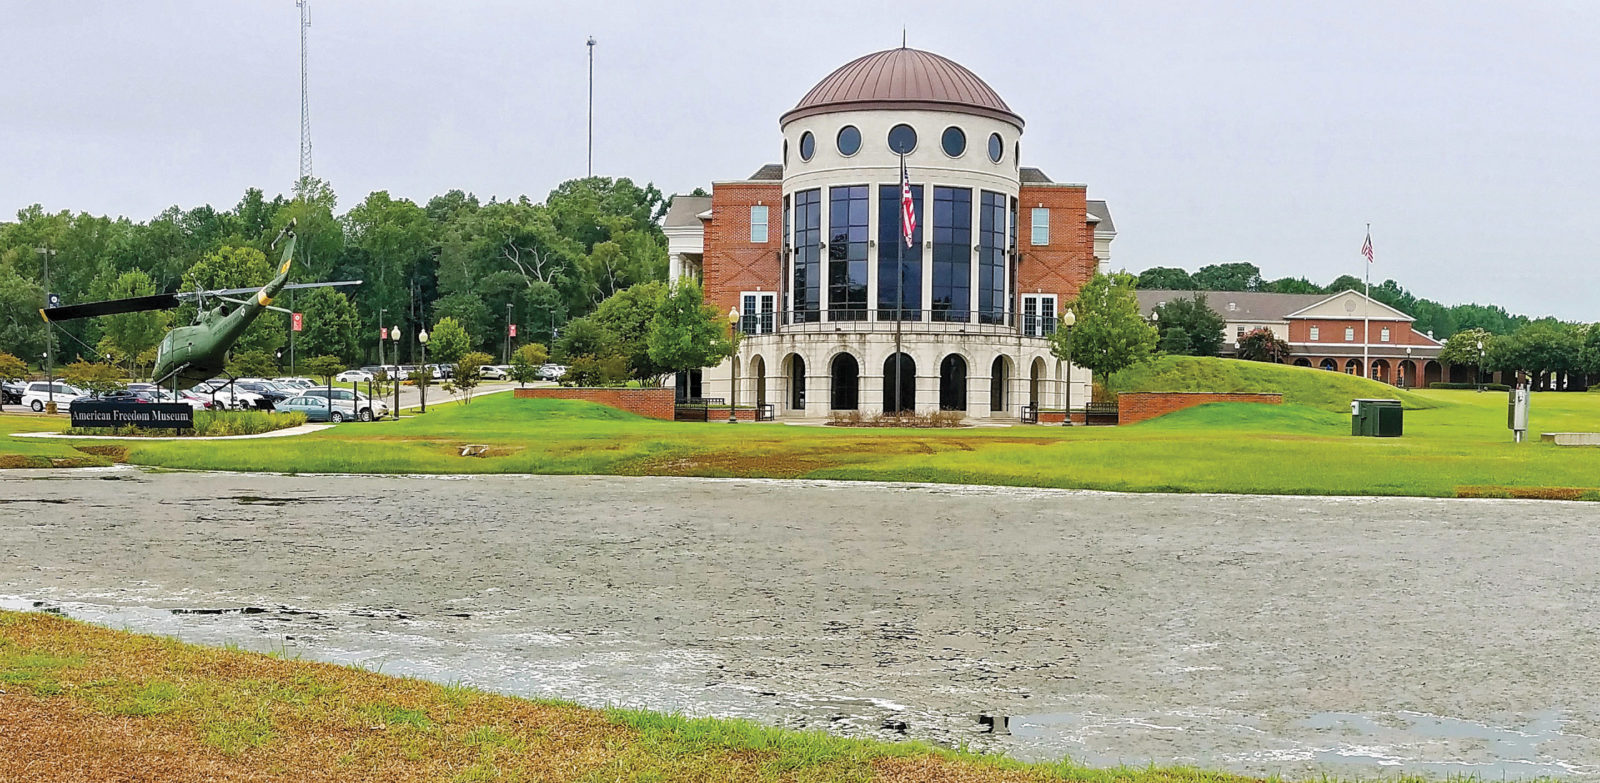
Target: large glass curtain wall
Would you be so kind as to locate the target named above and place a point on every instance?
(807, 288)
(892, 246)
(992, 258)
(847, 253)
(952, 254)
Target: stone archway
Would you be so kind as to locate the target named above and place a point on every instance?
(1380, 371)
(1302, 362)
(1036, 377)
(953, 383)
(906, 374)
(1352, 367)
(1329, 364)
(794, 370)
(1406, 374)
(1000, 384)
(1432, 373)
(844, 383)
(758, 378)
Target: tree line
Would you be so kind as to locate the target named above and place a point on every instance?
(540, 265)
(1431, 317)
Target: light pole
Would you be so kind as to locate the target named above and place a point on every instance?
(422, 373)
(1067, 320)
(508, 333)
(394, 334)
(733, 363)
(591, 105)
(381, 335)
(1413, 367)
(49, 332)
(1483, 356)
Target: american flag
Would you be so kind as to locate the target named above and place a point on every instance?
(908, 210)
(1366, 247)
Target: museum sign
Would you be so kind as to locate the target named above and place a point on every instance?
(153, 415)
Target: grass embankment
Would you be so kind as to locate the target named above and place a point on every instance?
(79, 702)
(1312, 388)
(1455, 443)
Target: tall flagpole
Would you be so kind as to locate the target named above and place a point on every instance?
(1366, 323)
(899, 290)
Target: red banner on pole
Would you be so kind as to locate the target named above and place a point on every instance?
(296, 321)
(513, 330)
(383, 333)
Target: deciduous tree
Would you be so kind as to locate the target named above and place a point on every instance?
(687, 333)
(526, 361)
(1110, 333)
(1200, 325)
(448, 341)
(1261, 345)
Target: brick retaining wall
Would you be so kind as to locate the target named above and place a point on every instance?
(654, 403)
(1134, 407)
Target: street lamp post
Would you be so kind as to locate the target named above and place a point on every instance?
(381, 335)
(508, 333)
(422, 373)
(733, 364)
(1482, 357)
(50, 333)
(1413, 378)
(394, 334)
(1067, 320)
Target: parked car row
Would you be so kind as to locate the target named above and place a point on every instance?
(317, 401)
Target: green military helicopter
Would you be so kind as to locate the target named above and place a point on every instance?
(191, 354)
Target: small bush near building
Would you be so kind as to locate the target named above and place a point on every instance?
(933, 420)
(1485, 386)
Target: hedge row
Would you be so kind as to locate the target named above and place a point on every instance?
(1488, 386)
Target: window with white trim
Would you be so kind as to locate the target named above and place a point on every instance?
(1316, 333)
(1349, 333)
(758, 224)
(1383, 335)
(1041, 225)
(756, 311)
(1038, 315)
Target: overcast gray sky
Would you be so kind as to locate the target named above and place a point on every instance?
(1466, 132)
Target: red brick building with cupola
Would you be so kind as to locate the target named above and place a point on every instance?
(840, 309)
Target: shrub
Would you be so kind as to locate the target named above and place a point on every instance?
(933, 419)
(1486, 386)
(591, 370)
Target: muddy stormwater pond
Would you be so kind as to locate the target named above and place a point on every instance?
(1267, 635)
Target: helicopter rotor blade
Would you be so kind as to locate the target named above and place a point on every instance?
(236, 291)
(110, 307)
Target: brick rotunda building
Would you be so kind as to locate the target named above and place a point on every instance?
(838, 313)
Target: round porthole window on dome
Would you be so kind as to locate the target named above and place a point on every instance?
(902, 139)
(954, 141)
(808, 146)
(849, 140)
(997, 148)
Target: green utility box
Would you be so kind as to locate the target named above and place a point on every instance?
(1376, 418)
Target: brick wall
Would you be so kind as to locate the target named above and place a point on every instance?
(654, 403)
(1134, 407)
(732, 263)
(1064, 265)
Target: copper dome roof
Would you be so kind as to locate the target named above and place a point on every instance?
(903, 79)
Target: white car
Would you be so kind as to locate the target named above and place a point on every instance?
(41, 392)
(235, 399)
(552, 372)
(295, 383)
(492, 371)
(353, 376)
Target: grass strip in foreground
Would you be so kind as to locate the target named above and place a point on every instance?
(80, 702)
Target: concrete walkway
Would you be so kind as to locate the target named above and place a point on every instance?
(304, 429)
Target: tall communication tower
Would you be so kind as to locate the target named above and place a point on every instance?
(305, 99)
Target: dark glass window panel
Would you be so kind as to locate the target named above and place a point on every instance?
(892, 245)
(954, 141)
(847, 253)
(808, 145)
(996, 147)
(807, 288)
(952, 254)
(992, 224)
(849, 140)
(902, 139)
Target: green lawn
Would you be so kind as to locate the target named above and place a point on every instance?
(1455, 443)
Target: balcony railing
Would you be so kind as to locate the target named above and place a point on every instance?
(922, 321)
